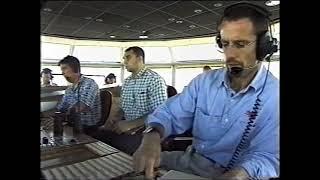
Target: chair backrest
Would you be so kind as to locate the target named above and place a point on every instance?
(106, 102)
(171, 91)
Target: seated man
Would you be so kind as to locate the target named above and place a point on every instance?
(82, 98)
(141, 93)
(233, 111)
(46, 78)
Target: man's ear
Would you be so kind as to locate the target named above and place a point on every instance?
(140, 58)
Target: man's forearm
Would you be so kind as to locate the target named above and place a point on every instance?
(237, 173)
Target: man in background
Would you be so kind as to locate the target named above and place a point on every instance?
(110, 79)
(142, 92)
(46, 78)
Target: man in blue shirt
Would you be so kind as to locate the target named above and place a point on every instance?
(233, 112)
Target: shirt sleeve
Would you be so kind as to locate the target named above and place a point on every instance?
(88, 93)
(177, 113)
(121, 94)
(157, 93)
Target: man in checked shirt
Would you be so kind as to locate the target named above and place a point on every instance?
(142, 92)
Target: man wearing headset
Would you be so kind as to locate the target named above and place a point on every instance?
(82, 97)
(46, 77)
(233, 111)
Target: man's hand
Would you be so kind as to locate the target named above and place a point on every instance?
(110, 124)
(123, 126)
(147, 156)
(235, 174)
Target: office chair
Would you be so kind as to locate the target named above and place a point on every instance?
(171, 91)
(177, 142)
(106, 102)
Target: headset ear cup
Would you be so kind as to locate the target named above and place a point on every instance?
(265, 46)
(218, 41)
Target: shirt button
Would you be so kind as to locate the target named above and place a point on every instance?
(202, 146)
(226, 120)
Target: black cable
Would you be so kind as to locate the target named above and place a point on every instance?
(251, 124)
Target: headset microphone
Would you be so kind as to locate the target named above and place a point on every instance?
(238, 70)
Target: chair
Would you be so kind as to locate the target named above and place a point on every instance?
(171, 91)
(177, 142)
(106, 102)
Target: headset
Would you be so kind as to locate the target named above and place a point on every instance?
(266, 44)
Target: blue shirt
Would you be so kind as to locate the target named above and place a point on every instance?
(143, 93)
(89, 95)
(218, 117)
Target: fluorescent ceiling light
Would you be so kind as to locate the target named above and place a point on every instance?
(272, 3)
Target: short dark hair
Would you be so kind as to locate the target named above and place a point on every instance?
(258, 15)
(111, 75)
(72, 61)
(206, 67)
(47, 71)
(138, 51)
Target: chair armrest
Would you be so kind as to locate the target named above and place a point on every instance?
(183, 138)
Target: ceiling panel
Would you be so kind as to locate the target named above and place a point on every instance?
(183, 9)
(179, 27)
(204, 18)
(211, 26)
(100, 5)
(46, 17)
(80, 11)
(53, 6)
(131, 10)
(157, 4)
(61, 30)
(43, 27)
(199, 31)
(69, 22)
(85, 33)
(157, 17)
(216, 4)
(99, 27)
(139, 26)
(100, 19)
(161, 30)
(122, 33)
(113, 19)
